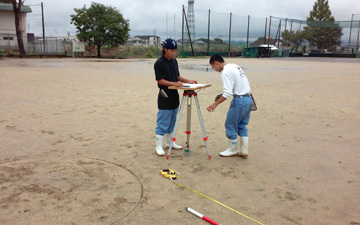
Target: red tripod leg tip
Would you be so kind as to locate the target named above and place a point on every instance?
(209, 156)
(167, 156)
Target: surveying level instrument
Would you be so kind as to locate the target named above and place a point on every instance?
(189, 92)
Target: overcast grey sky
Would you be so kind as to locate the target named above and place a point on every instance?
(163, 17)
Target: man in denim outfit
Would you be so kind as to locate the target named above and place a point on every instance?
(235, 85)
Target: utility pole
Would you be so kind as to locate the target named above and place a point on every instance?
(43, 26)
(357, 41)
(230, 35)
(352, 17)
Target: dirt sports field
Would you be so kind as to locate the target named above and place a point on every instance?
(78, 145)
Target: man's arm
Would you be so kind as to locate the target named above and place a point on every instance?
(183, 79)
(167, 83)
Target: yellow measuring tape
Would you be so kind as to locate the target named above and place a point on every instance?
(216, 202)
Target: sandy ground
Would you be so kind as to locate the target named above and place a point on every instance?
(78, 145)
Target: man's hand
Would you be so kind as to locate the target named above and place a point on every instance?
(192, 82)
(178, 84)
(211, 107)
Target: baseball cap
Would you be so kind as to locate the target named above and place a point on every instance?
(169, 43)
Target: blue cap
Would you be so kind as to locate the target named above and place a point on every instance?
(169, 43)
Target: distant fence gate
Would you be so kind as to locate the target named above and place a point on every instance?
(51, 46)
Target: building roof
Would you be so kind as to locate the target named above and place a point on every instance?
(267, 41)
(146, 36)
(9, 7)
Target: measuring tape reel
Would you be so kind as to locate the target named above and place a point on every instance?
(169, 173)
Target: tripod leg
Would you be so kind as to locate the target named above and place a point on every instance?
(188, 122)
(205, 138)
(178, 115)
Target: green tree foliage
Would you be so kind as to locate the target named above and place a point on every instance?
(321, 29)
(149, 54)
(291, 38)
(100, 25)
(219, 40)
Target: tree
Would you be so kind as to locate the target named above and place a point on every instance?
(100, 25)
(219, 40)
(322, 31)
(17, 13)
(291, 38)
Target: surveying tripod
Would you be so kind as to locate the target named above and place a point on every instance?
(187, 95)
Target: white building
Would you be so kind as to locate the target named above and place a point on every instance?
(135, 41)
(7, 25)
(144, 40)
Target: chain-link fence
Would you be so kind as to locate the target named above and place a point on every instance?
(51, 46)
(36, 46)
(232, 35)
(294, 34)
(207, 32)
(223, 33)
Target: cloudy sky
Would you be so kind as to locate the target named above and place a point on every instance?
(163, 17)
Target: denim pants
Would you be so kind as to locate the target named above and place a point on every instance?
(165, 121)
(238, 117)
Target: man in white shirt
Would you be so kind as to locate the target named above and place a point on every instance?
(235, 85)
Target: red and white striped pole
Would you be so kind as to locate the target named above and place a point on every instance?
(201, 216)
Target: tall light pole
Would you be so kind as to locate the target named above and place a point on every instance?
(191, 19)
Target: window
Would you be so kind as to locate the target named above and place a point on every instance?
(8, 38)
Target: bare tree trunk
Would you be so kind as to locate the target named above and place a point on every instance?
(17, 13)
(324, 42)
(98, 55)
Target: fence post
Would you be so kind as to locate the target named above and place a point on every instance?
(278, 32)
(265, 31)
(182, 32)
(247, 38)
(187, 26)
(285, 31)
(352, 17)
(269, 32)
(208, 45)
(230, 35)
(299, 37)
(357, 42)
(43, 25)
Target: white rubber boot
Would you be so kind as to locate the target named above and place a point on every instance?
(168, 142)
(244, 145)
(232, 150)
(159, 145)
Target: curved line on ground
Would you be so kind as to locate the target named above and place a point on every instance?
(141, 185)
(103, 160)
